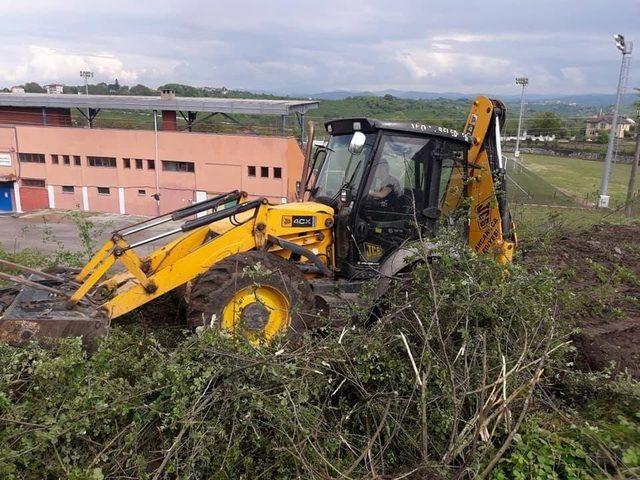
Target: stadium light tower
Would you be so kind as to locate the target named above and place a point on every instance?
(625, 48)
(86, 74)
(524, 81)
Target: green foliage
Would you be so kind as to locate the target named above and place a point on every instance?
(602, 138)
(595, 434)
(547, 448)
(88, 232)
(33, 87)
(546, 123)
(334, 403)
(142, 90)
(453, 112)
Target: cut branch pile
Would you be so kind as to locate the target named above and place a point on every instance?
(436, 388)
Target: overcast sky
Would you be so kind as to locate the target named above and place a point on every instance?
(564, 46)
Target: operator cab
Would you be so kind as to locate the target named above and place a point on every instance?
(387, 183)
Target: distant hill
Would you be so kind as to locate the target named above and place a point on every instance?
(590, 99)
(409, 95)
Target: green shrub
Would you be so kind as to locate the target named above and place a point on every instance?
(420, 390)
(550, 448)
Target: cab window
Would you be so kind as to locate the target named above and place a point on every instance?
(341, 166)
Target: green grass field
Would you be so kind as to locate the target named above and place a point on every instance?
(579, 178)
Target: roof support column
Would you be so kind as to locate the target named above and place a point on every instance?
(191, 118)
(92, 113)
(44, 115)
(301, 117)
(283, 124)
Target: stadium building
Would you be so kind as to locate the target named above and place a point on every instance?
(45, 162)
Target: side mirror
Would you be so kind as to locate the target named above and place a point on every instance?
(357, 143)
(345, 196)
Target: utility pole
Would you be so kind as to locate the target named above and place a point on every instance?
(157, 163)
(631, 190)
(86, 74)
(625, 48)
(524, 81)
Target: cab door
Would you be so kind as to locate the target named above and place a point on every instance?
(402, 195)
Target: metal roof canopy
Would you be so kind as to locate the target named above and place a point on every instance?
(235, 106)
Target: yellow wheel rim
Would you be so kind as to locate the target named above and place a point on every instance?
(257, 312)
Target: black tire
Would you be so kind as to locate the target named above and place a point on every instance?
(215, 289)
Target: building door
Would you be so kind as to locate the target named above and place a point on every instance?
(5, 197)
(33, 194)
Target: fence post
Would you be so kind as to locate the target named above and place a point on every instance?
(632, 178)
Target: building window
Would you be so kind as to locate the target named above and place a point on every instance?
(264, 172)
(104, 191)
(252, 171)
(65, 159)
(139, 163)
(142, 191)
(76, 160)
(126, 162)
(31, 157)
(277, 172)
(101, 162)
(54, 159)
(151, 164)
(32, 182)
(171, 166)
(68, 189)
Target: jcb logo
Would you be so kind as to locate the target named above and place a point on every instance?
(372, 252)
(484, 214)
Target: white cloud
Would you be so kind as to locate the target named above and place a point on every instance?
(574, 75)
(448, 66)
(47, 63)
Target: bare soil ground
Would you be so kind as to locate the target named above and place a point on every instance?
(599, 271)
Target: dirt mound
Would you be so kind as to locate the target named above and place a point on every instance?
(600, 280)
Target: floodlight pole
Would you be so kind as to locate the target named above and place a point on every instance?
(625, 48)
(524, 81)
(86, 74)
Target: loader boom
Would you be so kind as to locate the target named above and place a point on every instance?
(254, 225)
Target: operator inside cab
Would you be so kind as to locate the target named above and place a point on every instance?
(384, 186)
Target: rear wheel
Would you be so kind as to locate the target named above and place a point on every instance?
(256, 295)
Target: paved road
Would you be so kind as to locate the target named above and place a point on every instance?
(49, 231)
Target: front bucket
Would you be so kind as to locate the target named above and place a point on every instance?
(35, 314)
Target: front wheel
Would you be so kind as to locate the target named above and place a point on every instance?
(256, 295)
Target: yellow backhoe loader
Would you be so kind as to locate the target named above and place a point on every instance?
(260, 270)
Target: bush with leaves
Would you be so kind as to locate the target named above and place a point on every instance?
(438, 386)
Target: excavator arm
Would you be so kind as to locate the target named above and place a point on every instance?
(482, 184)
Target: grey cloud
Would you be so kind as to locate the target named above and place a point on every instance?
(309, 46)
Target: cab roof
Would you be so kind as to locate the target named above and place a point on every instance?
(370, 125)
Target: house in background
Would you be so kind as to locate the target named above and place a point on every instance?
(602, 123)
(17, 89)
(54, 88)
